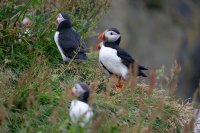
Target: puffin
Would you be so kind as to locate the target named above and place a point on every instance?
(116, 38)
(80, 112)
(115, 60)
(68, 41)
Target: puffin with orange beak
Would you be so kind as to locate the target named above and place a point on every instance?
(114, 59)
(80, 112)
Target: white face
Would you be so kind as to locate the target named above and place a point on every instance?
(112, 36)
(60, 18)
(78, 90)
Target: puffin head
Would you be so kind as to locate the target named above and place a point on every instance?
(110, 35)
(62, 17)
(81, 90)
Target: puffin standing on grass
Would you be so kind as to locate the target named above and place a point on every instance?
(69, 42)
(114, 59)
(80, 112)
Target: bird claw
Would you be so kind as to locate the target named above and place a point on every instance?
(117, 85)
(118, 89)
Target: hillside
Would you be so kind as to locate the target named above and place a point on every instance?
(34, 83)
(37, 100)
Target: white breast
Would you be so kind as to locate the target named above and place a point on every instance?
(80, 113)
(112, 62)
(65, 59)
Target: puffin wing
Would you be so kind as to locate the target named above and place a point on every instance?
(128, 60)
(81, 42)
(125, 57)
(68, 41)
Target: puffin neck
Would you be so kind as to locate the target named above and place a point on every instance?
(117, 42)
(64, 24)
(110, 44)
(84, 97)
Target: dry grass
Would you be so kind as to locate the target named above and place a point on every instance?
(34, 83)
(38, 101)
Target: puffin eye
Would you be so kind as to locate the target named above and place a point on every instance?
(111, 33)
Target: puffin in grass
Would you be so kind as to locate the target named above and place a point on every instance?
(80, 112)
(69, 42)
(115, 60)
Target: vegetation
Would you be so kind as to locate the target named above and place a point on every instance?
(34, 82)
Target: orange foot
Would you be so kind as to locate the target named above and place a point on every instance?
(118, 82)
(118, 89)
(117, 85)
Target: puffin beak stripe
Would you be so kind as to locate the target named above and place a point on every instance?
(100, 37)
(106, 38)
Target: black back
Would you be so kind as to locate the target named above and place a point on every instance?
(70, 41)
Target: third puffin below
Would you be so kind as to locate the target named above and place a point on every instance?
(80, 112)
(69, 42)
(114, 59)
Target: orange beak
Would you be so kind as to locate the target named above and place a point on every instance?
(100, 37)
(70, 92)
(98, 47)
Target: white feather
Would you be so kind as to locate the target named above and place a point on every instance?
(80, 113)
(78, 90)
(108, 56)
(60, 18)
(65, 59)
(112, 36)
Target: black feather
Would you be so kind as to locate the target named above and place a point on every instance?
(65, 16)
(84, 97)
(115, 30)
(142, 67)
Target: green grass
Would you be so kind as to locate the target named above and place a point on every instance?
(34, 83)
(38, 102)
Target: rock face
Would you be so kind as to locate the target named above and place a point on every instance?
(189, 53)
(189, 78)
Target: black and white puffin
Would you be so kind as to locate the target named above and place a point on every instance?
(69, 42)
(114, 59)
(80, 111)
